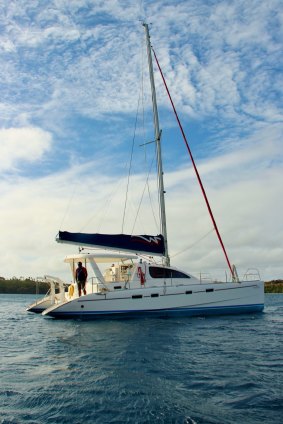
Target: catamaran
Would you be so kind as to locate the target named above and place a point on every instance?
(132, 283)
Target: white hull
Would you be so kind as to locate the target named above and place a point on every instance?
(39, 306)
(186, 300)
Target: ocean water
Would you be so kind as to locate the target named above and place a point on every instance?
(189, 370)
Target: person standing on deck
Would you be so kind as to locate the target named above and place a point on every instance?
(81, 277)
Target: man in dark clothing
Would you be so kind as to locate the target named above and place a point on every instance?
(81, 277)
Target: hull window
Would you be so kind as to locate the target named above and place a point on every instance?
(161, 272)
(137, 296)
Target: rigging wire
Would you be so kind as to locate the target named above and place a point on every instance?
(195, 168)
(133, 142)
(194, 244)
(145, 186)
(152, 208)
(130, 167)
(104, 208)
(145, 155)
(142, 107)
(158, 188)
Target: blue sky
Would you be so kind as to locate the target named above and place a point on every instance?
(70, 80)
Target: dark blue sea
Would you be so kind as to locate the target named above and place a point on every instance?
(191, 370)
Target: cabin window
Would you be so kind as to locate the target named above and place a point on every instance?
(154, 294)
(137, 296)
(117, 287)
(161, 272)
(209, 290)
(189, 292)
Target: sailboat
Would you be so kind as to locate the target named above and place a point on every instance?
(134, 284)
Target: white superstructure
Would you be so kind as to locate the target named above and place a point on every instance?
(131, 286)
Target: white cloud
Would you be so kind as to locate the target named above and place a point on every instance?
(247, 207)
(79, 61)
(206, 53)
(22, 144)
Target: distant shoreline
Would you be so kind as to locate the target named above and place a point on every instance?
(274, 286)
(22, 286)
(30, 286)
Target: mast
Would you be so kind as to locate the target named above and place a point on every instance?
(157, 134)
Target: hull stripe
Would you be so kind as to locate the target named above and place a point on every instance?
(185, 311)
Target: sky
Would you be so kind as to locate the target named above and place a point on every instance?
(75, 108)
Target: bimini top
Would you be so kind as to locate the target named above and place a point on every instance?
(131, 243)
(99, 257)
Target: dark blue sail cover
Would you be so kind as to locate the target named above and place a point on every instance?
(136, 243)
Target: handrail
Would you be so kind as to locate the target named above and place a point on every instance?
(251, 272)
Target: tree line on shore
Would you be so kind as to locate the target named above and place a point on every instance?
(22, 286)
(274, 286)
(31, 286)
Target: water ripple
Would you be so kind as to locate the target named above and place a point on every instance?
(224, 370)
